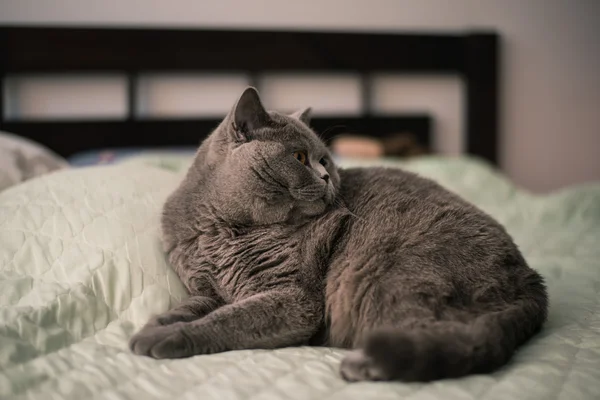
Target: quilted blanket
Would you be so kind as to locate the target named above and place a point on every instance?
(81, 269)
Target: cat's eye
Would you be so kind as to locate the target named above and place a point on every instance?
(323, 162)
(301, 156)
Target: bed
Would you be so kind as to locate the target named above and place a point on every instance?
(81, 266)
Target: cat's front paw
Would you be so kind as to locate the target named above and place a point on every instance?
(160, 342)
(167, 318)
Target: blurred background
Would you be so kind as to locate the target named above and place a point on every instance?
(549, 83)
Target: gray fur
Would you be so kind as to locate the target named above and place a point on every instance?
(422, 284)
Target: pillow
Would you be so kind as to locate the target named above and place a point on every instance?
(81, 258)
(22, 159)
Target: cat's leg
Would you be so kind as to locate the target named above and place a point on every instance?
(268, 320)
(360, 364)
(188, 310)
(390, 304)
(405, 343)
(203, 300)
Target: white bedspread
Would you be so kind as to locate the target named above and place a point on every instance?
(81, 269)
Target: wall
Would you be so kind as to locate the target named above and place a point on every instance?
(551, 59)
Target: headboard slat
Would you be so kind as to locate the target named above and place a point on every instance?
(93, 49)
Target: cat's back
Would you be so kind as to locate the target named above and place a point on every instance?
(383, 193)
(399, 212)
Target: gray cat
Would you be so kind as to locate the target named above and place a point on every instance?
(278, 247)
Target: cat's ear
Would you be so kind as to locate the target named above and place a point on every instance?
(303, 115)
(248, 115)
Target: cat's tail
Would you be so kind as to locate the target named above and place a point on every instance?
(449, 349)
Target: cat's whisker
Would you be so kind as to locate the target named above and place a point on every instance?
(322, 135)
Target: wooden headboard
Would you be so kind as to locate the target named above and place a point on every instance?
(473, 56)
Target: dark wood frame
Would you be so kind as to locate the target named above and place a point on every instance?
(32, 50)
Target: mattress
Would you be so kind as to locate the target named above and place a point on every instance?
(81, 269)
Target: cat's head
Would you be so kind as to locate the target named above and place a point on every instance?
(262, 167)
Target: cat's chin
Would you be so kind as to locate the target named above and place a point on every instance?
(306, 210)
(313, 193)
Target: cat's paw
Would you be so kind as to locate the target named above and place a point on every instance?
(357, 366)
(169, 341)
(169, 318)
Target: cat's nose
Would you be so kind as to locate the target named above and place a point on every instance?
(325, 178)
